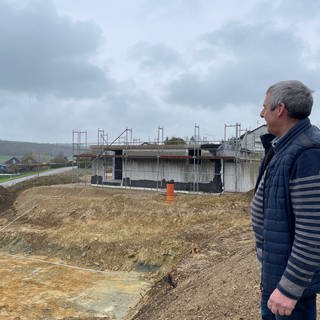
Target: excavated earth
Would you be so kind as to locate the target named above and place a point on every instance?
(81, 252)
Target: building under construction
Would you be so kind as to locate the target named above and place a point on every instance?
(195, 165)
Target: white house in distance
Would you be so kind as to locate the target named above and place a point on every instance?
(230, 166)
(251, 139)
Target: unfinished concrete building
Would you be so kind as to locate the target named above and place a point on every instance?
(229, 166)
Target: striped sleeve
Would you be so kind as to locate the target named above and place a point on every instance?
(257, 217)
(304, 260)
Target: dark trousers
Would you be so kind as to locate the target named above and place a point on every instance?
(306, 309)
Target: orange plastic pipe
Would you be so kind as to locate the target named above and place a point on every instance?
(170, 192)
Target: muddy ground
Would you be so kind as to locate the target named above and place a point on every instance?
(196, 253)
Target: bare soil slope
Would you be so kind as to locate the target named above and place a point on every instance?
(198, 250)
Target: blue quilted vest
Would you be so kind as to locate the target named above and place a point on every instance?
(278, 231)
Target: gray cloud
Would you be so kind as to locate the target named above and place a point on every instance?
(294, 10)
(44, 53)
(198, 61)
(255, 56)
(170, 8)
(151, 56)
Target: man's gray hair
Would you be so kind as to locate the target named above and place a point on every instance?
(296, 97)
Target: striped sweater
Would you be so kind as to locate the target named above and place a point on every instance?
(305, 255)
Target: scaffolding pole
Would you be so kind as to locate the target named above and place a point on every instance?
(78, 146)
(159, 141)
(102, 138)
(237, 142)
(128, 142)
(196, 163)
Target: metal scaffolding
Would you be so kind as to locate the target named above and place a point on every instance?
(157, 161)
(79, 146)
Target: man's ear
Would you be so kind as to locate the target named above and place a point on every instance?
(281, 110)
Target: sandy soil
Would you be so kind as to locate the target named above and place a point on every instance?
(198, 250)
(41, 288)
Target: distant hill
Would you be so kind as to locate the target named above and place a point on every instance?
(44, 150)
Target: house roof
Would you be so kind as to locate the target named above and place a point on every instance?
(13, 160)
(254, 130)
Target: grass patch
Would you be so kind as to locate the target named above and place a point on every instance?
(8, 177)
(63, 178)
(3, 159)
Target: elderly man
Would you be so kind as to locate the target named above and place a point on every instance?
(286, 205)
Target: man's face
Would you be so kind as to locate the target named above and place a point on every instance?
(270, 116)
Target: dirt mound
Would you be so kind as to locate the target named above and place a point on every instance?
(219, 281)
(6, 199)
(197, 249)
(118, 229)
(87, 318)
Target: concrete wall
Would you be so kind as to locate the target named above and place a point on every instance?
(240, 176)
(98, 170)
(187, 176)
(236, 176)
(177, 170)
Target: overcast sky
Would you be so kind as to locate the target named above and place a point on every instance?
(142, 64)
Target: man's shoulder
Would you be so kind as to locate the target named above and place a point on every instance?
(308, 139)
(307, 162)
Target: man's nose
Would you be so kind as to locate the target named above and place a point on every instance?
(262, 113)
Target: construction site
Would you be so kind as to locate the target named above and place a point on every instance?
(193, 165)
(75, 249)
